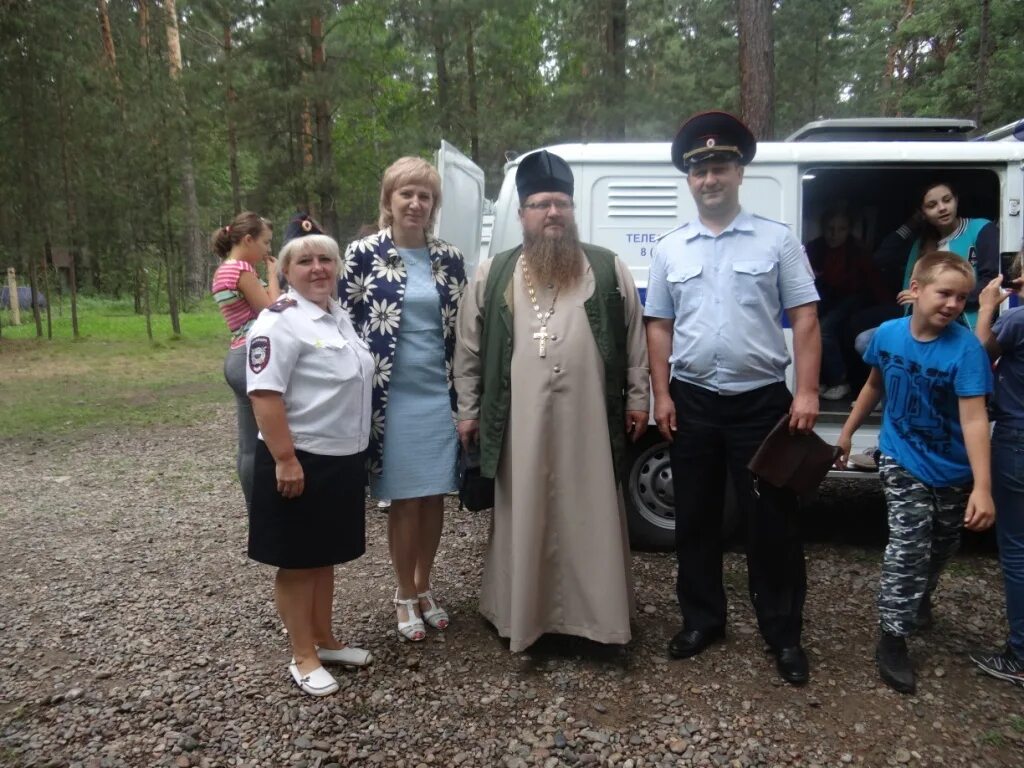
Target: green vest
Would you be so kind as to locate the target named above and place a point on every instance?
(607, 316)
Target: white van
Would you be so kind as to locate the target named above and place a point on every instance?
(627, 195)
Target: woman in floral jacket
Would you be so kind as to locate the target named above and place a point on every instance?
(402, 288)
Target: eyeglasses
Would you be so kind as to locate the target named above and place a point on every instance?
(559, 205)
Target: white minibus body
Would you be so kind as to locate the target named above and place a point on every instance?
(629, 194)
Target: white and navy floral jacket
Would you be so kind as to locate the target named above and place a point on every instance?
(372, 288)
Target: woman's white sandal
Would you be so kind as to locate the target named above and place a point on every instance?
(435, 615)
(347, 656)
(412, 629)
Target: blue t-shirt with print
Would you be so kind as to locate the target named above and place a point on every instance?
(1008, 399)
(923, 383)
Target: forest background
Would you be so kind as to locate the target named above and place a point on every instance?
(130, 129)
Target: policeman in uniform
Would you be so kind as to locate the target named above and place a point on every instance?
(718, 286)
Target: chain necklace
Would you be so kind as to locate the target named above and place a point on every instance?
(542, 335)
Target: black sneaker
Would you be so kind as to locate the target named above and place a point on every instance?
(894, 663)
(1002, 664)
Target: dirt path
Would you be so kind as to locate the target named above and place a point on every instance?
(136, 633)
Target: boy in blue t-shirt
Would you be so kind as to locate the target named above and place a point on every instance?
(935, 440)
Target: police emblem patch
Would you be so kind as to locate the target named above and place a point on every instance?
(259, 353)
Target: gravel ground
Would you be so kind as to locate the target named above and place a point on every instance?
(136, 633)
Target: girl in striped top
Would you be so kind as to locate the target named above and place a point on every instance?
(241, 295)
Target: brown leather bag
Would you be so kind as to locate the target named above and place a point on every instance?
(796, 461)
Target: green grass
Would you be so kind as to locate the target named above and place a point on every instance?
(112, 375)
(993, 739)
(111, 320)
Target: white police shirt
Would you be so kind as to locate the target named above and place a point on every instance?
(725, 294)
(322, 369)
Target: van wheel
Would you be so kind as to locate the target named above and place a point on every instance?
(649, 497)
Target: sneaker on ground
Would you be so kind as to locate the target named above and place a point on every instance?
(864, 461)
(835, 392)
(1002, 664)
(384, 504)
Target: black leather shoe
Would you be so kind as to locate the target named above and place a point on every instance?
(792, 664)
(690, 642)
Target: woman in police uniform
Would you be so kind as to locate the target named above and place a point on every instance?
(309, 377)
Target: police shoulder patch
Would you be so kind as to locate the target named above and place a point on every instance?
(285, 302)
(259, 353)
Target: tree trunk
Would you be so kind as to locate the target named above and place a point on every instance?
(229, 115)
(33, 286)
(325, 171)
(144, 25)
(443, 82)
(983, 46)
(308, 165)
(48, 259)
(193, 237)
(73, 285)
(892, 56)
(145, 302)
(757, 67)
(172, 295)
(70, 202)
(474, 113)
(109, 54)
(108, 40)
(615, 43)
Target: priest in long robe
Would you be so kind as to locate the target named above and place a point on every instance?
(552, 380)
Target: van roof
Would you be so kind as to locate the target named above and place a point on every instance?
(885, 129)
(658, 153)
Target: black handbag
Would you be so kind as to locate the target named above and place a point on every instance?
(476, 492)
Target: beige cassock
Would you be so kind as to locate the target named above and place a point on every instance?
(558, 558)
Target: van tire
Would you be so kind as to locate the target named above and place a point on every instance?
(650, 498)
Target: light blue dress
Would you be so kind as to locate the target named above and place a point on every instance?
(420, 443)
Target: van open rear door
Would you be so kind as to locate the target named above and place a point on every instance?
(462, 199)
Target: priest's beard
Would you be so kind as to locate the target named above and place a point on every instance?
(554, 261)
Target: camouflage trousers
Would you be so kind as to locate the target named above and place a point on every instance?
(924, 533)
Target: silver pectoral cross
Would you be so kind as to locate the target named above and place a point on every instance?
(542, 341)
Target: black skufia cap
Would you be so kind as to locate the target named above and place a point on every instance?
(712, 136)
(543, 172)
(301, 224)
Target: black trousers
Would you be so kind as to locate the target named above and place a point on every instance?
(717, 435)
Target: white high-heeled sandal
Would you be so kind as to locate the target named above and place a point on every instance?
(435, 615)
(411, 629)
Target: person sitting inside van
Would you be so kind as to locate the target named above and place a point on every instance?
(847, 281)
(937, 225)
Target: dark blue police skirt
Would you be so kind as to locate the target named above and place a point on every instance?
(326, 525)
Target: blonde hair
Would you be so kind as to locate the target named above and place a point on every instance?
(408, 170)
(300, 245)
(928, 268)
